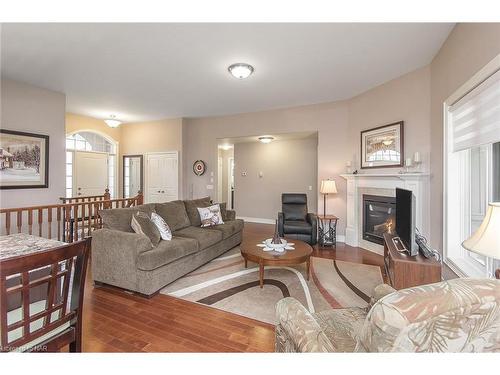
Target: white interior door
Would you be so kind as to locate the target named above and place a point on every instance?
(162, 178)
(91, 173)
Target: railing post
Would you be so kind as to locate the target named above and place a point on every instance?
(107, 197)
(140, 198)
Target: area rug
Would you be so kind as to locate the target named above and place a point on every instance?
(226, 284)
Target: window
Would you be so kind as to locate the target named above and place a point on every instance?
(88, 141)
(69, 174)
(472, 172)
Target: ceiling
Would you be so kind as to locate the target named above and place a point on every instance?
(144, 72)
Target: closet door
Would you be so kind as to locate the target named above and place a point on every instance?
(162, 177)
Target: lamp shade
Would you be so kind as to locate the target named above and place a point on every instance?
(328, 187)
(486, 240)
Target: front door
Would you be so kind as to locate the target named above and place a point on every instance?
(162, 177)
(91, 173)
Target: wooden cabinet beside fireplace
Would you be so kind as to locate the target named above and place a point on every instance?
(405, 271)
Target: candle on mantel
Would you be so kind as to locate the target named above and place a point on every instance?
(416, 157)
(348, 166)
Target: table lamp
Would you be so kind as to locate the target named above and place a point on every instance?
(327, 187)
(486, 240)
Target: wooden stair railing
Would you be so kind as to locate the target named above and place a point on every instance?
(67, 222)
(87, 198)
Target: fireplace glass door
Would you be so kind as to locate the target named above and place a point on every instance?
(379, 216)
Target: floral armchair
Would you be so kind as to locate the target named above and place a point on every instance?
(460, 315)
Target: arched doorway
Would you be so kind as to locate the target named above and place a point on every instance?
(91, 164)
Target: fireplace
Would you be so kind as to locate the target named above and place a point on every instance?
(379, 216)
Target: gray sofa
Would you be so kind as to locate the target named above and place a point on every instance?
(128, 260)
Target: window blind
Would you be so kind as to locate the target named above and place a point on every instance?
(475, 118)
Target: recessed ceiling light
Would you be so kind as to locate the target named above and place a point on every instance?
(266, 139)
(240, 70)
(112, 122)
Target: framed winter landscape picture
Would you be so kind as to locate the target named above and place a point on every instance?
(24, 160)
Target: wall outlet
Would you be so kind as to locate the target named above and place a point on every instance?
(310, 187)
(210, 187)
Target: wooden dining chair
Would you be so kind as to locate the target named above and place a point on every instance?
(43, 322)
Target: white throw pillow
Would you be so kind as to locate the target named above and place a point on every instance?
(210, 215)
(165, 232)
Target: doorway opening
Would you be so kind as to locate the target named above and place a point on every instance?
(91, 164)
(225, 175)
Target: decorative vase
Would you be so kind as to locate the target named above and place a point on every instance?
(276, 238)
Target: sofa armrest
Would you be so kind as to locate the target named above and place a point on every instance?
(297, 330)
(230, 215)
(381, 291)
(281, 222)
(114, 256)
(313, 220)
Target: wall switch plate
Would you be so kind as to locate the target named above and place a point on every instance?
(261, 174)
(211, 179)
(310, 187)
(212, 174)
(210, 187)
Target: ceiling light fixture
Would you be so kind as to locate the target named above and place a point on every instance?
(240, 70)
(112, 122)
(266, 139)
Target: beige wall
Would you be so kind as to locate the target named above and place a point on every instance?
(153, 136)
(134, 138)
(469, 47)
(330, 120)
(287, 166)
(338, 125)
(31, 109)
(405, 98)
(77, 123)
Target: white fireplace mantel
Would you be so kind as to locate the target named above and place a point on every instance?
(383, 184)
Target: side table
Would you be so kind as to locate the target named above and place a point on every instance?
(327, 230)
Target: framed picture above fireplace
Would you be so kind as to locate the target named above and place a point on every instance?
(382, 147)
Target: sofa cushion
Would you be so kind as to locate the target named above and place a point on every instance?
(297, 227)
(163, 228)
(342, 327)
(166, 252)
(229, 228)
(210, 216)
(192, 209)
(142, 224)
(121, 218)
(174, 213)
(205, 237)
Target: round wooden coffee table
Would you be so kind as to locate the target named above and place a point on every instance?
(301, 254)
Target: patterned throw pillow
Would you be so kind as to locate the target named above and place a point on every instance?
(165, 232)
(210, 216)
(142, 224)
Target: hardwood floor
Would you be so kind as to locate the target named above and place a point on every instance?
(117, 321)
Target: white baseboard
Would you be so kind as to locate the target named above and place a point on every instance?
(256, 220)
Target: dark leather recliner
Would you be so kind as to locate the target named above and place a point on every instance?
(295, 221)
